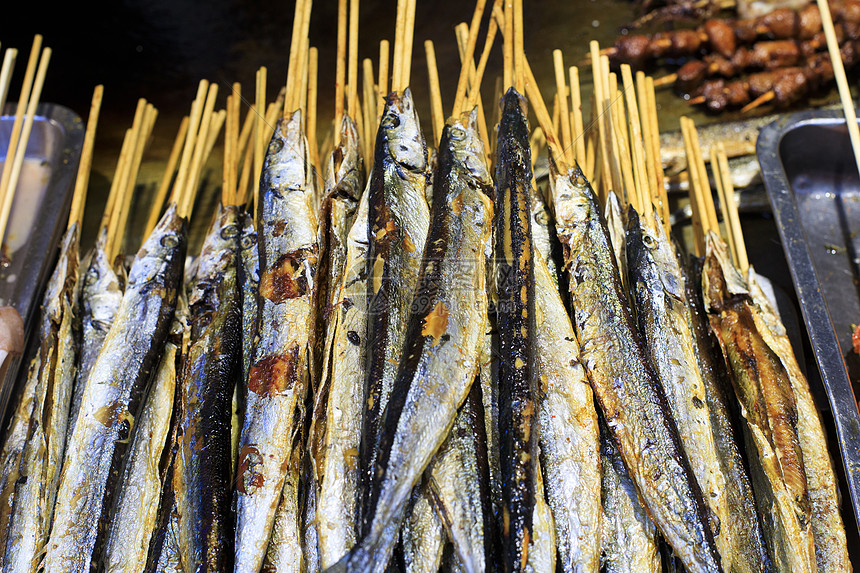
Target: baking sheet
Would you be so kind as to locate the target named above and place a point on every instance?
(814, 190)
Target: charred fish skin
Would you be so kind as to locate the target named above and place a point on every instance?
(459, 479)
(278, 378)
(768, 405)
(398, 219)
(344, 376)
(657, 285)
(624, 381)
(441, 352)
(204, 461)
(134, 519)
(99, 301)
(112, 397)
(828, 530)
(750, 549)
(515, 317)
(43, 454)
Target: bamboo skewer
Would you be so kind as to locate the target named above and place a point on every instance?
(291, 103)
(245, 177)
(6, 75)
(382, 83)
(701, 221)
(202, 143)
(556, 114)
(370, 104)
(11, 183)
(190, 141)
(340, 68)
(408, 35)
(577, 128)
(462, 32)
(639, 170)
(509, 44)
(539, 107)
(730, 209)
(468, 56)
(397, 61)
(122, 174)
(82, 179)
(519, 50)
(564, 119)
(841, 80)
(721, 194)
(655, 146)
(311, 130)
(352, 66)
(435, 92)
(166, 178)
(121, 162)
(492, 30)
(599, 97)
(261, 125)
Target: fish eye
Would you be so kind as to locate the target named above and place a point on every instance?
(457, 133)
(169, 241)
(390, 121)
(276, 145)
(247, 242)
(229, 232)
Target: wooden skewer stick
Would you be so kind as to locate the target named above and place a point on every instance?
(303, 86)
(21, 148)
(730, 210)
(841, 80)
(247, 131)
(6, 75)
(166, 178)
(82, 180)
(382, 83)
(122, 161)
(759, 101)
(519, 50)
(291, 103)
(721, 193)
(556, 114)
(666, 80)
(578, 130)
(340, 69)
(696, 100)
(190, 192)
(261, 129)
(190, 141)
(227, 164)
(603, 136)
(397, 61)
(610, 83)
(313, 69)
(537, 103)
(121, 177)
(509, 44)
(655, 146)
(636, 144)
(708, 197)
(462, 37)
(370, 100)
(23, 99)
(492, 30)
(468, 56)
(435, 92)
(564, 119)
(642, 102)
(245, 178)
(408, 36)
(699, 219)
(352, 81)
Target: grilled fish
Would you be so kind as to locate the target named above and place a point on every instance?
(459, 479)
(443, 336)
(629, 538)
(112, 396)
(542, 544)
(213, 362)
(278, 378)
(42, 457)
(338, 499)
(134, 518)
(423, 535)
(627, 387)
(616, 226)
(768, 405)
(828, 531)
(98, 303)
(249, 278)
(657, 284)
(515, 320)
(398, 220)
(749, 548)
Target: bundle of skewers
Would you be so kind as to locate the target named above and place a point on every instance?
(371, 364)
(778, 58)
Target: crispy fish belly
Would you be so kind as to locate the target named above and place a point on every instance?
(338, 510)
(569, 436)
(768, 404)
(629, 538)
(134, 519)
(828, 531)
(748, 545)
(13, 450)
(627, 387)
(88, 483)
(657, 285)
(42, 458)
(398, 220)
(423, 536)
(213, 362)
(459, 478)
(440, 357)
(278, 378)
(98, 303)
(515, 319)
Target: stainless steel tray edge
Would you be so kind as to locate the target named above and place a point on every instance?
(822, 334)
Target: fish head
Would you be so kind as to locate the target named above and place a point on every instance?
(165, 245)
(461, 140)
(402, 131)
(573, 200)
(287, 165)
(721, 280)
(514, 125)
(346, 157)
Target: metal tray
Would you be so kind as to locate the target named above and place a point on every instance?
(53, 151)
(814, 189)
